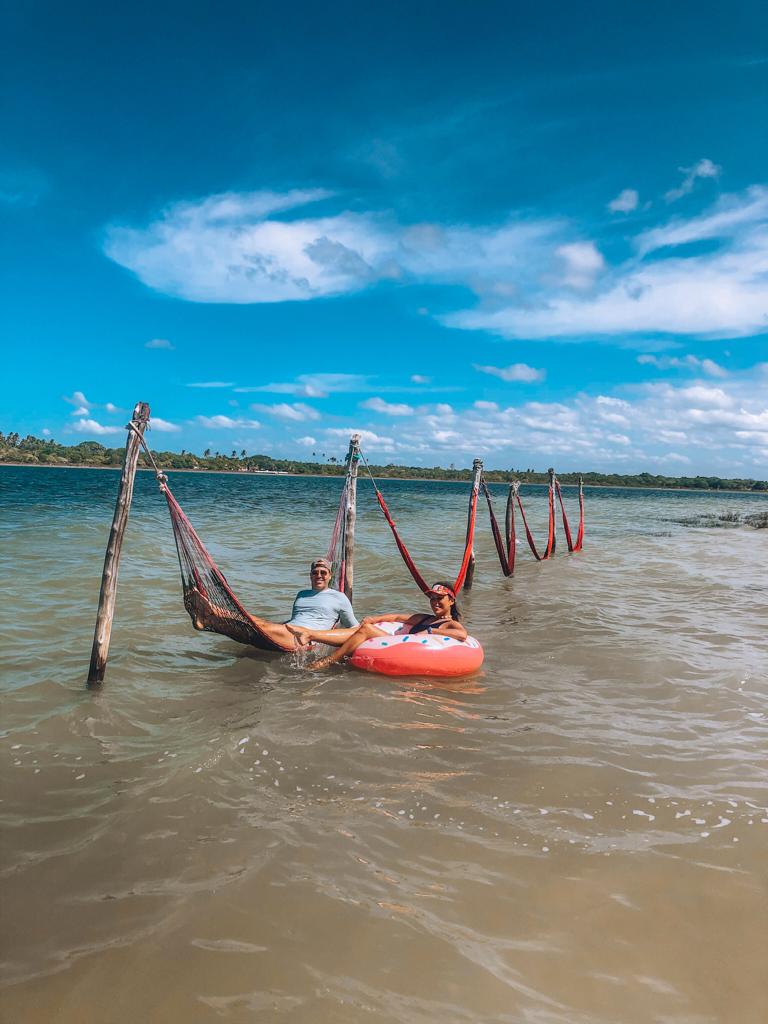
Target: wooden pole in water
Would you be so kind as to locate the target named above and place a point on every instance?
(552, 508)
(108, 592)
(477, 472)
(353, 457)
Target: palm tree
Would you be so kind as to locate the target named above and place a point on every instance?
(207, 453)
(242, 454)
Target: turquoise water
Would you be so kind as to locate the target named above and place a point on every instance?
(577, 834)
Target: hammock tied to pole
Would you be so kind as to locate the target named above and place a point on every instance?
(419, 580)
(208, 598)
(505, 547)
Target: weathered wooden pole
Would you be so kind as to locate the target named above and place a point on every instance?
(353, 457)
(108, 592)
(552, 509)
(477, 472)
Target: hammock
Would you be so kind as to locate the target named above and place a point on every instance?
(210, 601)
(419, 580)
(505, 548)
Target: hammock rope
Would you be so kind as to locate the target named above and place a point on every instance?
(566, 527)
(418, 579)
(505, 547)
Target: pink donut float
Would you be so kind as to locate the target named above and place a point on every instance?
(417, 654)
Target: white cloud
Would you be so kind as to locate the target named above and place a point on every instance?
(387, 408)
(515, 372)
(314, 385)
(229, 248)
(78, 399)
(158, 343)
(583, 262)
(716, 294)
(719, 429)
(625, 202)
(164, 426)
(526, 272)
(89, 426)
(226, 423)
(46, 432)
(419, 378)
(703, 169)
(368, 438)
(213, 384)
(308, 442)
(297, 412)
(707, 366)
(730, 217)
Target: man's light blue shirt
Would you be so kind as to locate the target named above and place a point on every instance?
(322, 609)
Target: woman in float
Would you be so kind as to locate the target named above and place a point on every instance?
(444, 620)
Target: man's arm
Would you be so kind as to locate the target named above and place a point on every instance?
(347, 617)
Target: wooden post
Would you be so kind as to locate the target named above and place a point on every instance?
(353, 457)
(477, 472)
(551, 498)
(108, 592)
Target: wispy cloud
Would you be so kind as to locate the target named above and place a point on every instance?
(515, 372)
(702, 169)
(368, 438)
(707, 366)
(625, 202)
(720, 293)
(22, 187)
(213, 384)
(296, 412)
(226, 423)
(313, 385)
(159, 343)
(93, 427)
(80, 402)
(387, 408)
(164, 426)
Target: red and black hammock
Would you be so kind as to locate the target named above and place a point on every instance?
(421, 583)
(210, 601)
(505, 546)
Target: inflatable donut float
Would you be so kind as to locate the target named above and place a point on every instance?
(417, 654)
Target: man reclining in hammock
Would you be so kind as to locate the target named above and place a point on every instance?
(317, 610)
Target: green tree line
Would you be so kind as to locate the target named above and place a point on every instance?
(40, 451)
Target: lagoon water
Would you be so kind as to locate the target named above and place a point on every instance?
(577, 835)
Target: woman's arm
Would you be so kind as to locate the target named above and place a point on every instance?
(449, 627)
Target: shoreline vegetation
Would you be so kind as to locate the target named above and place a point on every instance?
(34, 451)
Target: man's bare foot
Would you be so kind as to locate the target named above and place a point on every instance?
(303, 638)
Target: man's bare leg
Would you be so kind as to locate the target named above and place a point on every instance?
(359, 636)
(332, 637)
(277, 632)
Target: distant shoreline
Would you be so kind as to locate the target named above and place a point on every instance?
(407, 479)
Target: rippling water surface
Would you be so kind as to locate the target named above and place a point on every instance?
(577, 835)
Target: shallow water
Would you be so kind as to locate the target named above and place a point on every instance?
(577, 835)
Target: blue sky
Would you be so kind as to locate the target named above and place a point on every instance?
(535, 236)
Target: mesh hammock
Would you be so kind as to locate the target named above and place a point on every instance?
(209, 599)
